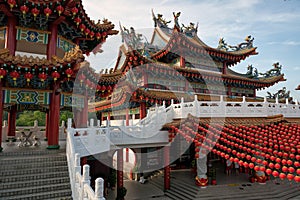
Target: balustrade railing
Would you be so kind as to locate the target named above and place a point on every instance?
(35, 131)
(80, 183)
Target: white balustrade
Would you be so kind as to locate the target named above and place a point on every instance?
(80, 183)
(36, 130)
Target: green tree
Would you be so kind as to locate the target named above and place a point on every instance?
(27, 118)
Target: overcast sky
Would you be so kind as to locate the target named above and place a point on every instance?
(275, 25)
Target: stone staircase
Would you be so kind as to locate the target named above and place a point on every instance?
(34, 174)
(187, 190)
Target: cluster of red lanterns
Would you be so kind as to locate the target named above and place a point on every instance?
(273, 149)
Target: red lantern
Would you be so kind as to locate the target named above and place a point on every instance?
(92, 34)
(28, 76)
(284, 169)
(60, 9)
(42, 76)
(12, 3)
(298, 171)
(251, 165)
(291, 170)
(69, 72)
(297, 179)
(82, 27)
(87, 31)
(256, 168)
(24, 9)
(15, 75)
(98, 35)
(277, 166)
(77, 20)
(55, 75)
(2, 73)
(47, 12)
(81, 78)
(282, 176)
(74, 11)
(87, 83)
(35, 12)
(268, 171)
(275, 173)
(290, 177)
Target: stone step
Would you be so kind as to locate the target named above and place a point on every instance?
(57, 195)
(39, 182)
(19, 166)
(34, 190)
(27, 152)
(30, 171)
(31, 159)
(175, 196)
(16, 178)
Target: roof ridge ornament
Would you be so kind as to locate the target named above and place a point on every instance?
(275, 71)
(176, 23)
(247, 44)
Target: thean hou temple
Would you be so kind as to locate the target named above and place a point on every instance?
(173, 102)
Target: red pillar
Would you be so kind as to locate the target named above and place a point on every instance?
(127, 117)
(12, 122)
(167, 176)
(229, 90)
(84, 112)
(127, 155)
(47, 124)
(1, 114)
(182, 62)
(11, 35)
(120, 168)
(143, 110)
(224, 68)
(51, 48)
(77, 120)
(54, 119)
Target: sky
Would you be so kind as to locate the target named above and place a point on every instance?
(275, 25)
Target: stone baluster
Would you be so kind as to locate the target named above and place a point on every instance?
(99, 187)
(85, 180)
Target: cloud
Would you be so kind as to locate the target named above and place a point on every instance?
(290, 43)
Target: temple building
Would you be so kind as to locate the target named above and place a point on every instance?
(176, 63)
(42, 44)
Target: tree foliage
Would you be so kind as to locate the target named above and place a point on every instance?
(27, 118)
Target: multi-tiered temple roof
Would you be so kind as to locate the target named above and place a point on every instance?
(177, 62)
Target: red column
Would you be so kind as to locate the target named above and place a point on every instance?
(47, 124)
(229, 90)
(120, 168)
(127, 117)
(254, 92)
(84, 112)
(127, 155)
(1, 114)
(12, 122)
(11, 35)
(51, 48)
(143, 111)
(182, 62)
(54, 119)
(167, 185)
(77, 120)
(224, 68)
